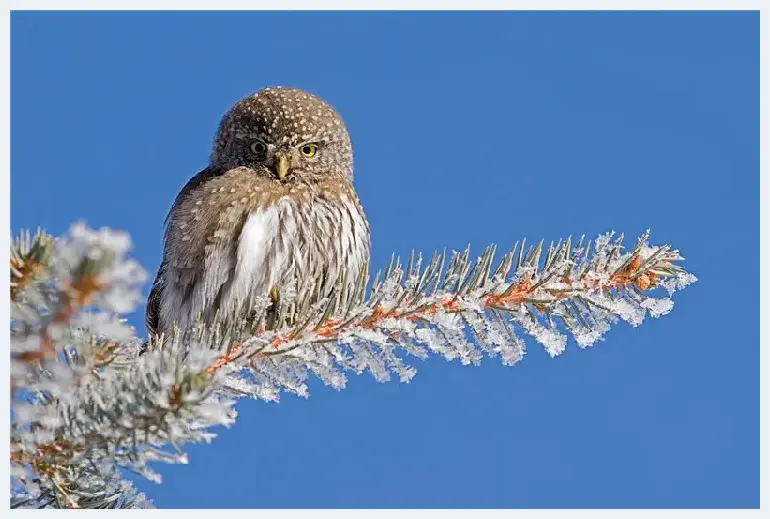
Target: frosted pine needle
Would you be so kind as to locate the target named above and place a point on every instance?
(86, 403)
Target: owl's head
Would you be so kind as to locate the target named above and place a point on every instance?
(286, 134)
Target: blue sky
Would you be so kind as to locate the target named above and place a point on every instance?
(467, 127)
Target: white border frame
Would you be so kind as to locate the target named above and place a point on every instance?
(410, 5)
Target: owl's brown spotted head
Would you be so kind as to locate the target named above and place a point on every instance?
(286, 134)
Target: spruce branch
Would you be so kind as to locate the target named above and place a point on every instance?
(86, 403)
(468, 310)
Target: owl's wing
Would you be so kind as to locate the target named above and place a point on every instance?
(152, 312)
(195, 181)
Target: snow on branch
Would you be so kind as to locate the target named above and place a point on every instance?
(88, 398)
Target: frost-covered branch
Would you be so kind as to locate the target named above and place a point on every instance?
(86, 402)
(83, 404)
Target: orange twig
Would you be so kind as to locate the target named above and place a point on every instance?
(515, 294)
(223, 359)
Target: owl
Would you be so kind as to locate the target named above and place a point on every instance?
(275, 207)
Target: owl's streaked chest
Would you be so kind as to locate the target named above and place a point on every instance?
(288, 241)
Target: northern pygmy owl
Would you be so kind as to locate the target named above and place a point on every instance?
(275, 206)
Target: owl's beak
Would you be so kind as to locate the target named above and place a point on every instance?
(282, 165)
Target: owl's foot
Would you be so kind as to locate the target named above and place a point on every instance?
(275, 296)
(273, 311)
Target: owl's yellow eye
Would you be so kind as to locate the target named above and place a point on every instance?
(308, 150)
(258, 147)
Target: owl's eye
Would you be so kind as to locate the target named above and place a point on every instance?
(309, 150)
(258, 147)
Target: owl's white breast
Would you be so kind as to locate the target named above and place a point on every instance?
(263, 255)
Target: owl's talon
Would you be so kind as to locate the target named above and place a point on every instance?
(275, 295)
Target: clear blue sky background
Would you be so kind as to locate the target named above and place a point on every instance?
(467, 127)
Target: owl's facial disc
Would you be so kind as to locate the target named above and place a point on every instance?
(285, 134)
